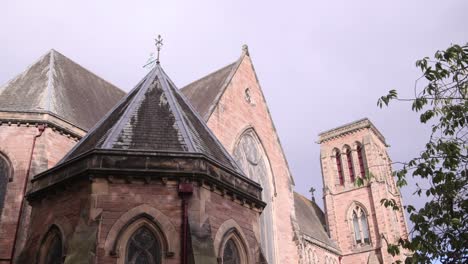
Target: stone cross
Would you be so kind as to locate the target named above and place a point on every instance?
(312, 190)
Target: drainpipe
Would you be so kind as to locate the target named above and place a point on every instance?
(185, 191)
(41, 129)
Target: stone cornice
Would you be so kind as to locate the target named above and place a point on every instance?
(349, 128)
(149, 166)
(41, 117)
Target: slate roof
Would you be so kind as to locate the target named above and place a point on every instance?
(205, 92)
(154, 116)
(57, 85)
(311, 220)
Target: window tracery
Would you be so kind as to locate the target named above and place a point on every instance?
(232, 250)
(251, 157)
(360, 226)
(143, 247)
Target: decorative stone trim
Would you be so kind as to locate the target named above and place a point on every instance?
(350, 128)
(35, 118)
(141, 165)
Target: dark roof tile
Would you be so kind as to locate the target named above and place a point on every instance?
(60, 86)
(154, 116)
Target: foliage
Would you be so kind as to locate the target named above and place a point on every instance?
(441, 226)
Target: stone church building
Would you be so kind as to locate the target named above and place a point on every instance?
(90, 174)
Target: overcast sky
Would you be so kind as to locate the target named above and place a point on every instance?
(320, 63)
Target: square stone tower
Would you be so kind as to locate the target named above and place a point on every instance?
(357, 221)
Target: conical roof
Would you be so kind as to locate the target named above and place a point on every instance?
(57, 85)
(154, 116)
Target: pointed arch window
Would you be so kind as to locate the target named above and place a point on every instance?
(339, 167)
(360, 226)
(232, 250)
(252, 159)
(360, 153)
(143, 247)
(349, 159)
(51, 251)
(4, 178)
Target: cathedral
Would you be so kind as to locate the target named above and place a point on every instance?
(91, 174)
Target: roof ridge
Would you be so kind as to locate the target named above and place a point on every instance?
(209, 74)
(228, 79)
(86, 69)
(24, 72)
(176, 110)
(50, 80)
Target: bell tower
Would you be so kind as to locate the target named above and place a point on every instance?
(357, 221)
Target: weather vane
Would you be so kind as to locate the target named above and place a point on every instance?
(159, 44)
(151, 61)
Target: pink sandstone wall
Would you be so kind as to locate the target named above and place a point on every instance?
(16, 143)
(339, 199)
(230, 118)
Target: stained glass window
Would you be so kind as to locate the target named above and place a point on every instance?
(231, 253)
(54, 252)
(4, 175)
(143, 248)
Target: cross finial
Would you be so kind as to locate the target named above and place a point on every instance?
(159, 44)
(312, 191)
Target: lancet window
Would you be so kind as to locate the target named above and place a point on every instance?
(251, 157)
(339, 167)
(349, 159)
(360, 226)
(360, 154)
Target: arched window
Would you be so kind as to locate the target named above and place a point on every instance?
(231, 253)
(4, 177)
(339, 167)
(349, 158)
(360, 153)
(360, 226)
(251, 157)
(233, 250)
(51, 251)
(143, 247)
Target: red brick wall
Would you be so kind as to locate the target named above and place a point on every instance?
(16, 143)
(230, 118)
